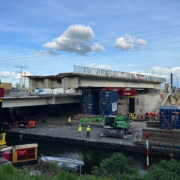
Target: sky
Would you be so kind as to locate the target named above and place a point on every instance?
(48, 37)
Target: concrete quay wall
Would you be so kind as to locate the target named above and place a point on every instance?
(101, 143)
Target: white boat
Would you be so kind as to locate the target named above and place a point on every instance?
(70, 164)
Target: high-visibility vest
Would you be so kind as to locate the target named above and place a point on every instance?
(69, 119)
(80, 129)
(88, 129)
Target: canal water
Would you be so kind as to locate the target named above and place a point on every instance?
(90, 155)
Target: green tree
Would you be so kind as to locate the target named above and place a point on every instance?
(8, 172)
(114, 167)
(165, 170)
(18, 86)
(64, 175)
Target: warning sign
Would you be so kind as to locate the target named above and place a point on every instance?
(114, 106)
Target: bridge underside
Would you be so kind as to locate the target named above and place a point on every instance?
(40, 100)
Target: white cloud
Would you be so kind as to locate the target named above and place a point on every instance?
(7, 74)
(76, 39)
(100, 66)
(127, 42)
(161, 72)
(165, 71)
(97, 48)
(44, 52)
(4, 74)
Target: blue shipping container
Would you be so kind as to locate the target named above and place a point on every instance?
(169, 117)
(91, 96)
(90, 108)
(108, 102)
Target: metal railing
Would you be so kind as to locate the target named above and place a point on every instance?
(23, 93)
(111, 73)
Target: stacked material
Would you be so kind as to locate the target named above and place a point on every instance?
(163, 137)
(79, 116)
(87, 120)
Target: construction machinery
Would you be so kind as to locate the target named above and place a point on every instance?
(151, 116)
(2, 140)
(20, 153)
(115, 126)
(132, 116)
(25, 123)
(132, 113)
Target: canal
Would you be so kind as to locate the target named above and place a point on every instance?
(90, 155)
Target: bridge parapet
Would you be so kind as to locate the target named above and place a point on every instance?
(111, 73)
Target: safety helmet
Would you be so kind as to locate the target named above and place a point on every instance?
(79, 125)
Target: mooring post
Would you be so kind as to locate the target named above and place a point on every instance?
(147, 150)
(80, 169)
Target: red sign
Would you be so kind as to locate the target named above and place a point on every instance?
(127, 93)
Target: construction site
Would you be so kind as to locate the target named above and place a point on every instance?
(120, 113)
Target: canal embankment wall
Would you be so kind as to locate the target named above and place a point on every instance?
(61, 133)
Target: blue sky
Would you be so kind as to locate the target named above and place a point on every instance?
(48, 37)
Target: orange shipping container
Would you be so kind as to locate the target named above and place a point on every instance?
(6, 86)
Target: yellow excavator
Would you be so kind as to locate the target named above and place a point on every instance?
(132, 116)
(2, 140)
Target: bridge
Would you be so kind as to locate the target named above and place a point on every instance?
(85, 77)
(26, 100)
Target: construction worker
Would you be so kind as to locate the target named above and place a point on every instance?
(88, 129)
(79, 131)
(69, 122)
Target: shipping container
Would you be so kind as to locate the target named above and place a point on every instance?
(169, 117)
(90, 101)
(6, 86)
(90, 108)
(91, 96)
(1, 92)
(108, 102)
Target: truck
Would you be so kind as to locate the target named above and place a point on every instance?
(115, 126)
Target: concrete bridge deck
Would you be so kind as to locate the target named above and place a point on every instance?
(34, 100)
